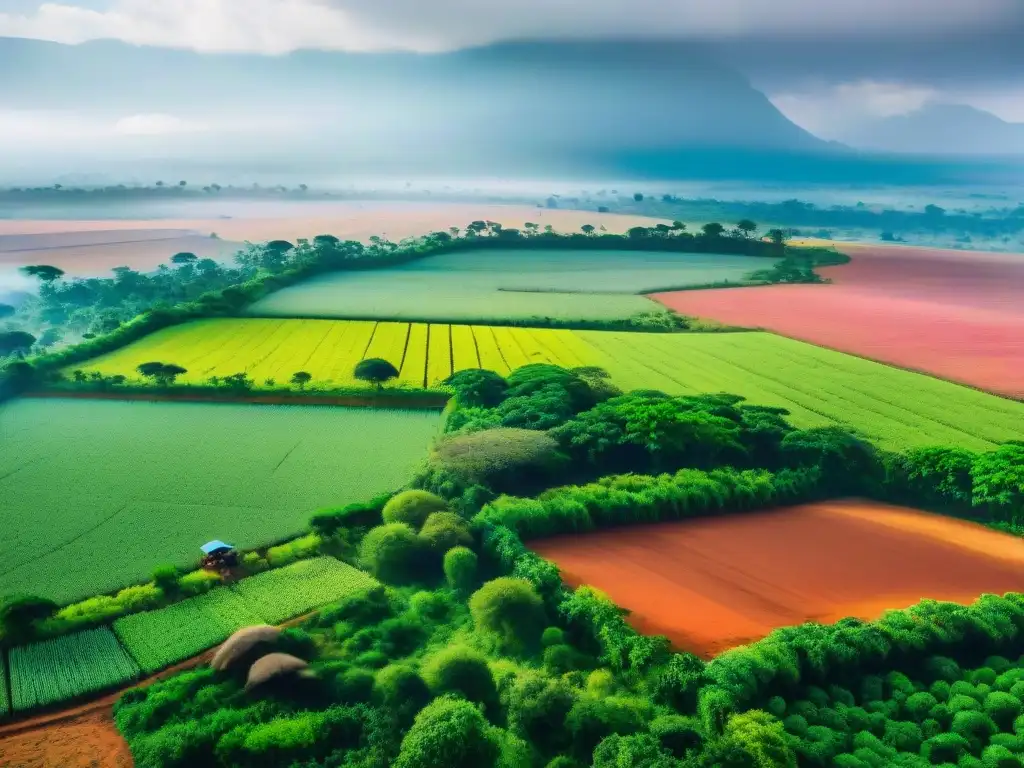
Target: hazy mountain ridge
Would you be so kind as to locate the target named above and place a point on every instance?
(941, 129)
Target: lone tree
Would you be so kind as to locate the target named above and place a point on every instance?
(44, 272)
(300, 379)
(184, 258)
(713, 229)
(747, 227)
(376, 371)
(164, 373)
(588, 229)
(16, 343)
(639, 197)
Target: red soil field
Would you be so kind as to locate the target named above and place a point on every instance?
(715, 583)
(958, 315)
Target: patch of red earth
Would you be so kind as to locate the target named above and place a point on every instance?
(955, 314)
(715, 583)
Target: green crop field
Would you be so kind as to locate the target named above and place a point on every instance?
(296, 589)
(65, 667)
(157, 639)
(96, 494)
(476, 286)
(5, 699)
(894, 407)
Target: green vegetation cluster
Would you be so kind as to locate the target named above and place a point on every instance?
(472, 651)
(104, 314)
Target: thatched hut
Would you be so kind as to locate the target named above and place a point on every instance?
(239, 648)
(272, 667)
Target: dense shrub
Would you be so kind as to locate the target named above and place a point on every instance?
(460, 568)
(461, 671)
(510, 611)
(448, 733)
(412, 508)
(393, 553)
(443, 531)
(502, 458)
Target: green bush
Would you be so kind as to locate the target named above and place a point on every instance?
(677, 734)
(393, 553)
(552, 636)
(448, 733)
(20, 615)
(945, 748)
(296, 549)
(510, 611)
(412, 508)
(537, 708)
(1003, 708)
(198, 582)
(166, 578)
(460, 567)
(461, 671)
(995, 756)
(444, 530)
(327, 521)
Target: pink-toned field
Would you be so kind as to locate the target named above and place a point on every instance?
(715, 583)
(958, 315)
(92, 247)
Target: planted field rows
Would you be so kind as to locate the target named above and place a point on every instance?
(895, 408)
(5, 699)
(143, 484)
(157, 639)
(284, 593)
(166, 636)
(66, 667)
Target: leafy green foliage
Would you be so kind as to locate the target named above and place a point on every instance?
(509, 610)
(460, 568)
(475, 387)
(412, 508)
(448, 733)
(443, 531)
(393, 553)
(461, 671)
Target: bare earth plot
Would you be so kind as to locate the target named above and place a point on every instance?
(712, 584)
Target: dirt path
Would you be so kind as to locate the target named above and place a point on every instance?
(714, 583)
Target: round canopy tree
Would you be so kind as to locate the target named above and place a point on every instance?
(376, 371)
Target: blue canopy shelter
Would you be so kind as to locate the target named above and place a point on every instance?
(215, 547)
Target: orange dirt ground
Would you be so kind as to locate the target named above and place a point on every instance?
(92, 247)
(715, 583)
(954, 314)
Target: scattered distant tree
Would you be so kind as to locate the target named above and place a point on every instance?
(602, 209)
(639, 197)
(303, 187)
(6, 310)
(888, 237)
(301, 379)
(239, 382)
(638, 232)
(713, 229)
(588, 229)
(746, 227)
(531, 228)
(43, 272)
(934, 210)
(19, 615)
(678, 226)
(89, 335)
(182, 183)
(184, 258)
(269, 382)
(376, 371)
(454, 232)
(163, 373)
(16, 343)
(78, 375)
(662, 229)
(551, 202)
(159, 183)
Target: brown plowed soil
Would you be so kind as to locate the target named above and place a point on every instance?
(958, 315)
(715, 583)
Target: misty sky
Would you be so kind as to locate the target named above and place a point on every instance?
(823, 62)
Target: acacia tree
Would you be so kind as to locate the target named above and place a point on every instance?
(746, 227)
(163, 373)
(301, 379)
(43, 272)
(376, 371)
(588, 229)
(16, 343)
(184, 258)
(713, 229)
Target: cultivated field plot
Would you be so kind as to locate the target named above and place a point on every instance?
(148, 483)
(894, 407)
(476, 286)
(5, 699)
(284, 593)
(716, 583)
(157, 639)
(958, 315)
(73, 665)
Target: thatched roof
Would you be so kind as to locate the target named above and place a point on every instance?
(240, 643)
(273, 665)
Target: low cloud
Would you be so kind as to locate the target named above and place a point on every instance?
(830, 111)
(156, 125)
(279, 26)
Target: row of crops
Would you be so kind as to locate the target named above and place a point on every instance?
(895, 408)
(75, 665)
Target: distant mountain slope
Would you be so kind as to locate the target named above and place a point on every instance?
(615, 95)
(941, 129)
